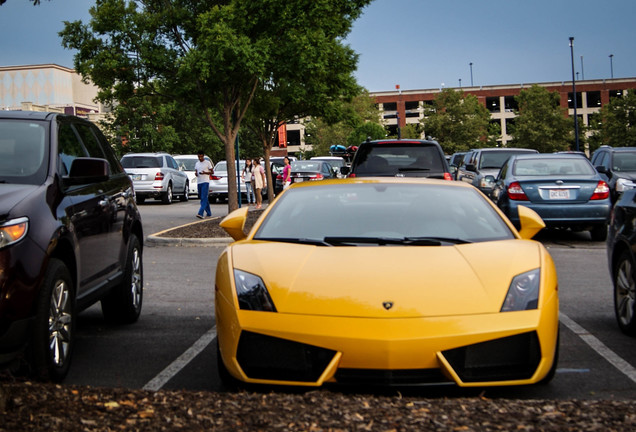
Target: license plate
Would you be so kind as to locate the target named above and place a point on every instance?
(559, 194)
(136, 176)
(298, 180)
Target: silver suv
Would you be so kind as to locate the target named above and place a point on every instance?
(156, 175)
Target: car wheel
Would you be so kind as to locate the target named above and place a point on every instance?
(599, 232)
(167, 196)
(186, 191)
(625, 294)
(140, 199)
(123, 304)
(53, 334)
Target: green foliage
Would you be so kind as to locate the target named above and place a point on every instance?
(210, 58)
(541, 123)
(365, 131)
(617, 122)
(457, 120)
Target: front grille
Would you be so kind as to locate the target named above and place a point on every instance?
(271, 358)
(383, 377)
(510, 358)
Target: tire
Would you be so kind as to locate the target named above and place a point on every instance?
(599, 232)
(140, 199)
(123, 303)
(186, 191)
(53, 334)
(625, 294)
(167, 196)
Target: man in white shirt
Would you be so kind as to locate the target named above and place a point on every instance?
(203, 170)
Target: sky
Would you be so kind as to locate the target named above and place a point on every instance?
(416, 44)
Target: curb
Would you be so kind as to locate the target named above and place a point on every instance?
(157, 240)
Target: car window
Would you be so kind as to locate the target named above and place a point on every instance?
(93, 146)
(393, 158)
(305, 166)
(187, 163)
(141, 162)
(494, 159)
(551, 167)
(624, 161)
(69, 148)
(172, 163)
(393, 210)
(23, 152)
(115, 165)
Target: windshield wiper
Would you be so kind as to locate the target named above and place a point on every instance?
(315, 242)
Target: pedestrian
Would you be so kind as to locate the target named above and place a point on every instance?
(260, 182)
(286, 173)
(203, 170)
(247, 178)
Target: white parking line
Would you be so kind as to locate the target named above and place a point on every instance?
(599, 347)
(175, 367)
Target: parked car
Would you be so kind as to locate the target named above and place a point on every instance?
(70, 235)
(565, 190)
(156, 175)
(399, 158)
(311, 170)
(454, 163)
(336, 163)
(617, 166)
(218, 181)
(186, 164)
(285, 314)
(480, 166)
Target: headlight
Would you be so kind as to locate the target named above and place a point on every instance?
(252, 293)
(13, 231)
(623, 184)
(523, 293)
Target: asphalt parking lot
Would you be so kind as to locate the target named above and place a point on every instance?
(173, 344)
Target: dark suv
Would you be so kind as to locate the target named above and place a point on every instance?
(399, 158)
(481, 166)
(617, 166)
(70, 235)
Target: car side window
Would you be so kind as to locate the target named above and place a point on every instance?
(69, 148)
(172, 163)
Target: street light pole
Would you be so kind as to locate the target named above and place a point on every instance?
(582, 70)
(611, 56)
(471, 73)
(576, 120)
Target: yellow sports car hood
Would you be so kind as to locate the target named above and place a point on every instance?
(388, 281)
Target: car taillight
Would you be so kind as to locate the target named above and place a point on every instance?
(159, 176)
(447, 176)
(351, 175)
(515, 192)
(601, 192)
(213, 177)
(279, 177)
(317, 177)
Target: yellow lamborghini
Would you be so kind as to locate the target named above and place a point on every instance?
(386, 281)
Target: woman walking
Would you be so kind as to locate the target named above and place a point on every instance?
(260, 182)
(247, 178)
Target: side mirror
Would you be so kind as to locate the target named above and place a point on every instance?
(234, 223)
(345, 170)
(531, 223)
(601, 169)
(86, 170)
(471, 167)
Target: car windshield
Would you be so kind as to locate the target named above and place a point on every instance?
(333, 162)
(624, 161)
(23, 152)
(221, 166)
(494, 159)
(391, 159)
(187, 163)
(382, 214)
(141, 161)
(305, 166)
(553, 167)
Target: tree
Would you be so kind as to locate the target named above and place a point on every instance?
(617, 125)
(457, 120)
(208, 56)
(541, 123)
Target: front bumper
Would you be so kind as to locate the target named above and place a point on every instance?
(510, 348)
